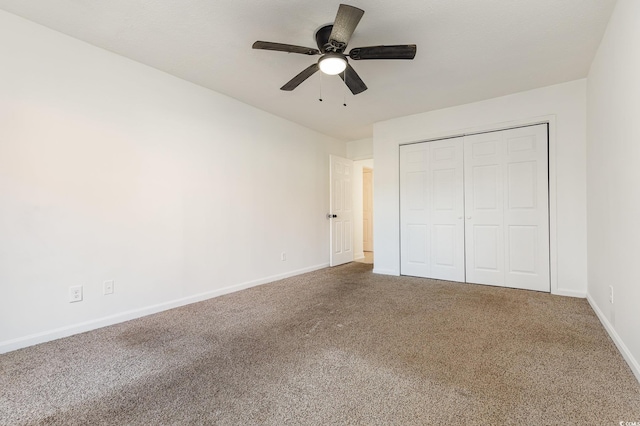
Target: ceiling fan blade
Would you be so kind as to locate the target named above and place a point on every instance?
(353, 80)
(289, 48)
(305, 74)
(345, 24)
(402, 51)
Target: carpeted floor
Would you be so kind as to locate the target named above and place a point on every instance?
(336, 346)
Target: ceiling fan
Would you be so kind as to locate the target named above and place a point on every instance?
(332, 41)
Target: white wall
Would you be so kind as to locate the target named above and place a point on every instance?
(563, 105)
(358, 198)
(613, 174)
(112, 170)
(361, 149)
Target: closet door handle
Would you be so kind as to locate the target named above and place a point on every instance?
(468, 217)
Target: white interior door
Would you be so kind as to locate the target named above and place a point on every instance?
(341, 214)
(476, 209)
(431, 206)
(506, 208)
(414, 213)
(367, 210)
(526, 208)
(447, 209)
(484, 158)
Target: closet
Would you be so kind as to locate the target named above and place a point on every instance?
(475, 208)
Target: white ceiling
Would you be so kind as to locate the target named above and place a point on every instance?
(468, 50)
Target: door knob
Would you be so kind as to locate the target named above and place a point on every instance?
(330, 216)
(468, 217)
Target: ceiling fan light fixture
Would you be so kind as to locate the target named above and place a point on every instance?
(332, 63)
(332, 39)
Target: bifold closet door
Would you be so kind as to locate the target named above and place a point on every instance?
(432, 209)
(506, 208)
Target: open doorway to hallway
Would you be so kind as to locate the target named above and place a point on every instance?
(363, 210)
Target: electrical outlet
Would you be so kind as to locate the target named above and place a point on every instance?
(75, 293)
(283, 256)
(610, 294)
(107, 287)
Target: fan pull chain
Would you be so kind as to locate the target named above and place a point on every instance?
(320, 99)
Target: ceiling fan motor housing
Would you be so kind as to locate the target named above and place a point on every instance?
(322, 39)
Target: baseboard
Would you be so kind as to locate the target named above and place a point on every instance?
(358, 256)
(58, 333)
(626, 354)
(385, 272)
(570, 293)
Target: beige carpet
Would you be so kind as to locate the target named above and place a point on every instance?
(336, 346)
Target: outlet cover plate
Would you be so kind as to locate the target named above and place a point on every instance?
(75, 293)
(107, 287)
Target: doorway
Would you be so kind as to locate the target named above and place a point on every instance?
(363, 175)
(367, 214)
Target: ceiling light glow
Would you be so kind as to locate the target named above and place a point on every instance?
(332, 63)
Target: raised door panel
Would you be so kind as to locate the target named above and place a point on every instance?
(446, 167)
(341, 235)
(527, 208)
(414, 210)
(484, 213)
(432, 207)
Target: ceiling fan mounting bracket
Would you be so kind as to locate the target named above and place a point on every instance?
(322, 38)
